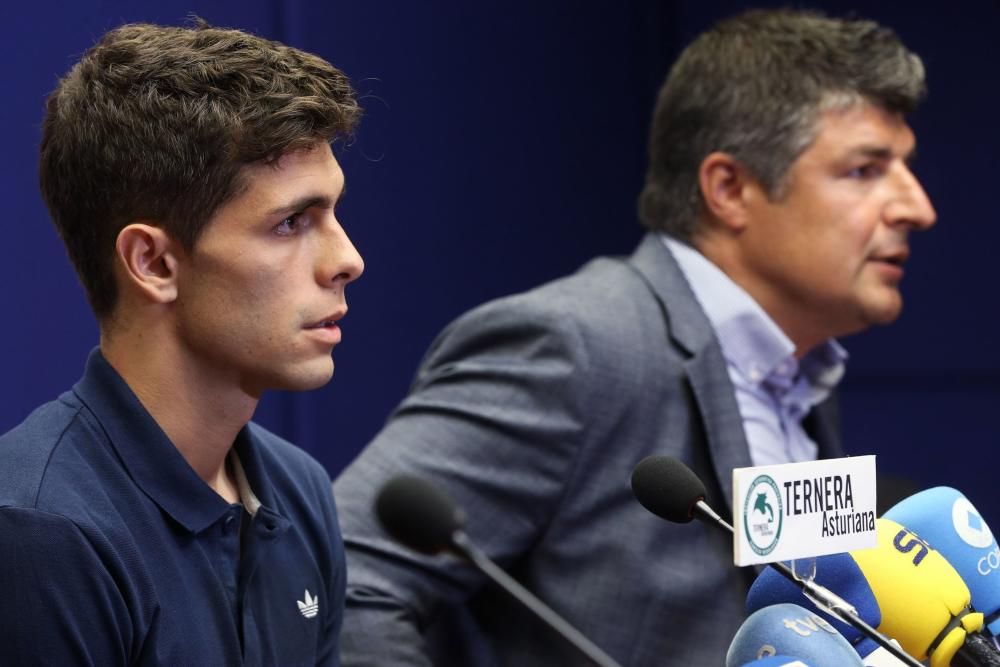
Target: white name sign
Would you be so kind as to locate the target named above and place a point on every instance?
(800, 510)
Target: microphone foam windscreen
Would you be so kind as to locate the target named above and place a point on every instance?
(788, 629)
(837, 572)
(918, 592)
(667, 488)
(418, 514)
(946, 520)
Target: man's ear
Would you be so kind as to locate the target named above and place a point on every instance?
(724, 181)
(148, 259)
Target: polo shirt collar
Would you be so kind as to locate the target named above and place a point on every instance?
(151, 459)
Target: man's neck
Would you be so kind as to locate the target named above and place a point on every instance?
(199, 412)
(804, 333)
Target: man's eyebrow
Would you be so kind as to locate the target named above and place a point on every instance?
(876, 152)
(307, 201)
(881, 153)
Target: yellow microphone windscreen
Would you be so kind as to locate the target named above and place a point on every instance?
(924, 602)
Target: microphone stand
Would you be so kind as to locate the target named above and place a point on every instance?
(463, 546)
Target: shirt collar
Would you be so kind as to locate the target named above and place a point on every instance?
(152, 460)
(247, 497)
(750, 340)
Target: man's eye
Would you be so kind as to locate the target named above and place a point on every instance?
(865, 171)
(289, 225)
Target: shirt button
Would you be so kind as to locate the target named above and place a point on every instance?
(229, 524)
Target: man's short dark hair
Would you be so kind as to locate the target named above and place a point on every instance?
(753, 87)
(156, 123)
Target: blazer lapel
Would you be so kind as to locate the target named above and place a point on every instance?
(705, 366)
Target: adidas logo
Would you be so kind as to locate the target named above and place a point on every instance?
(310, 606)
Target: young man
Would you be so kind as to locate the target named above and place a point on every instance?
(143, 518)
(779, 202)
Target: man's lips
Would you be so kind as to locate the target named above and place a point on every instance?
(326, 330)
(328, 321)
(896, 257)
(890, 264)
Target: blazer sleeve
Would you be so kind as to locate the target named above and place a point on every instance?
(494, 418)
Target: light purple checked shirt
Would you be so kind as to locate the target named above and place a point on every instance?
(774, 390)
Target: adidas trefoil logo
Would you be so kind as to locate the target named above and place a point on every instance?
(310, 606)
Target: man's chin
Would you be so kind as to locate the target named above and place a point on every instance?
(885, 312)
(305, 377)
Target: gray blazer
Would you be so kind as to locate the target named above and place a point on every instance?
(531, 412)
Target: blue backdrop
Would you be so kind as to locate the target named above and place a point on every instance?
(504, 145)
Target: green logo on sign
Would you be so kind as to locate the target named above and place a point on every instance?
(762, 515)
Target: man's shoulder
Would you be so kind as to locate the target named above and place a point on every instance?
(604, 302)
(587, 292)
(598, 280)
(51, 496)
(27, 450)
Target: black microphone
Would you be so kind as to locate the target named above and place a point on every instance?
(422, 517)
(669, 489)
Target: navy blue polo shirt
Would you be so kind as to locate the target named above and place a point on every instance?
(114, 552)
